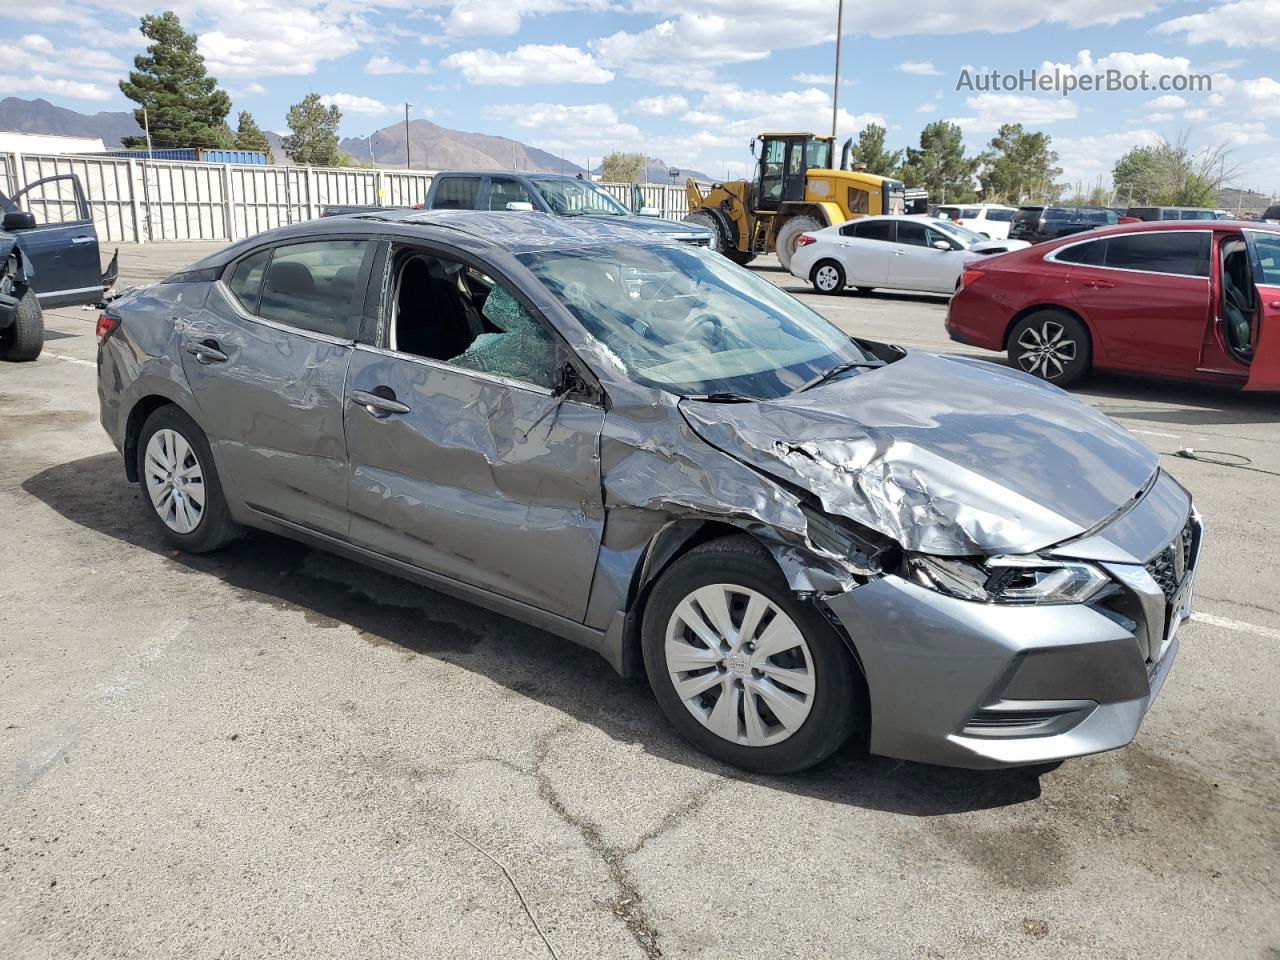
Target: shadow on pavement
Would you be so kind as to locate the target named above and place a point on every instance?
(385, 610)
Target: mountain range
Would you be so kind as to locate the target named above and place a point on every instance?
(431, 147)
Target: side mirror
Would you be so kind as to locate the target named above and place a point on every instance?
(18, 220)
(649, 212)
(519, 205)
(942, 245)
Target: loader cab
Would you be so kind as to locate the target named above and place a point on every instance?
(782, 160)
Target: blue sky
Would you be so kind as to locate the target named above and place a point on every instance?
(691, 82)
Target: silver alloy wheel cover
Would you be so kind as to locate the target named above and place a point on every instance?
(826, 278)
(724, 669)
(175, 480)
(1047, 351)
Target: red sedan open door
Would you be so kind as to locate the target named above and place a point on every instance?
(1264, 251)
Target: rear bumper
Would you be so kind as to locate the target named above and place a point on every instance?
(976, 320)
(985, 685)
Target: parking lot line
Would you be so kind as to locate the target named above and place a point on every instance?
(1228, 624)
(62, 356)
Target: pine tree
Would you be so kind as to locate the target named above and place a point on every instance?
(1019, 166)
(183, 104)
(870, 150)
(249, 136)
(313, 133)
(940, 166)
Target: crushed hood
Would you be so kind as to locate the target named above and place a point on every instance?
(950, 456)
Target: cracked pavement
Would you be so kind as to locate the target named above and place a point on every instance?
(271, 752)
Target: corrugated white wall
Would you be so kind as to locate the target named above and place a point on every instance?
(142, 201)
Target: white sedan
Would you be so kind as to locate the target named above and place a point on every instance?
(905, 253)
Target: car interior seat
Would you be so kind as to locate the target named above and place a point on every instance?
(1237, 300)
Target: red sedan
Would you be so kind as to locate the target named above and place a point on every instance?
(1195, 300)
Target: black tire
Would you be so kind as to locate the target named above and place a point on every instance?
(24, 340)
(1056, 364)
(705, 218)
(831, 280)
(739, 257)
(785, 242)
(215, 527)
(838, 701)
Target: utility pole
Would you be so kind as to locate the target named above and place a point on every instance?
(407, 105)
(835, 87)
(146, 126)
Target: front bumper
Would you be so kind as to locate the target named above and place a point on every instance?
(987, 685)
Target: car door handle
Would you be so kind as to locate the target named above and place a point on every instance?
(206, 352)
(1274, 304)
(899, 253)
(1099, 284)
(82, 239)
(378, 406)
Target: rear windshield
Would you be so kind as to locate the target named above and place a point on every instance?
(1082, 214)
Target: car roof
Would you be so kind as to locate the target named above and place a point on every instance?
(1146, 226)
(512, 231)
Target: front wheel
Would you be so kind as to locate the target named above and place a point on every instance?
(1052, 345)
(180, 483)
(789, 235)
(744, 670)
(24, 339)
(827, 276)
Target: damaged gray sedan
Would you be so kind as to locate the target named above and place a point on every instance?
(796, 536)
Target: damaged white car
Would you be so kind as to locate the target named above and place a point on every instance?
(796, 536)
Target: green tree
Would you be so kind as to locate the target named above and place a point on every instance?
(184, 107)
(249, 136)
(869, 150)
(313, 133)
(1019, 166)
(939, 164)
(619, 167)
(1169, 174)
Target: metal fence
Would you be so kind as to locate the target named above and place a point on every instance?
(142, 201)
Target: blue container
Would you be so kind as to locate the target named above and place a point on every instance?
(189, 155)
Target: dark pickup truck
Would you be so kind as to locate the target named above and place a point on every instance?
(1035, 224)
(553, 193)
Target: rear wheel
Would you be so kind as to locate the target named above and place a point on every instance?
(180, 483)
(827, 276)
(1052, 345)
(744, 670)
(24, 340)
(789, 234)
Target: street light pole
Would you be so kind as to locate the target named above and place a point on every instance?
(407, 105)
(835, 87)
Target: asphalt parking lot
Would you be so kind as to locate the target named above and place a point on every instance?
(268, 752)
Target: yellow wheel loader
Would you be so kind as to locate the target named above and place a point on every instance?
(796, 189)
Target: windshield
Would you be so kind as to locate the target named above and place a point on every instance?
(962, 234)
(687, 321)
(577, 198)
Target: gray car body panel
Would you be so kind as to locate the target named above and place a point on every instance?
(562, 513)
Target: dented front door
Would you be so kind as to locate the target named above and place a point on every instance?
(485, 480)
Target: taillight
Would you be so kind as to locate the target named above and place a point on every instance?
(804, 240)
(106, 326)
(968, 277)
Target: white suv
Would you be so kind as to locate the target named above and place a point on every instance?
(989, 219)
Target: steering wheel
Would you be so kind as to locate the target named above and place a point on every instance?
(709, 329)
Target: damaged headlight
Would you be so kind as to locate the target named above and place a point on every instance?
(1027, 580)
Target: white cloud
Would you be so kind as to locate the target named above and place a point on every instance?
(1260, 97)
(994, 109)
(927, 108)
(574, 129)
(660, 106)
(35, 55)
(380, 65)
(1085, 160)
(261, 41)
(1170, 101)
(1242, 23)
(41, 85)
(1159, 117)
(354, 103)
(764, 110)
(920, 68)
(1239, 134)
(484, 17)
(1196, 113)
(253, 90)
(529, 64)
(703, 118)
(815, 79)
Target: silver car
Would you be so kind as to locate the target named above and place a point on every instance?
(636, 444)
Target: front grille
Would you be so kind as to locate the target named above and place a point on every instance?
(1171, 564)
